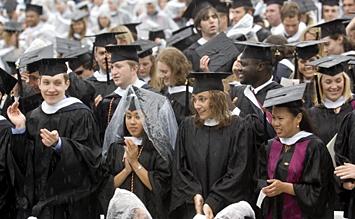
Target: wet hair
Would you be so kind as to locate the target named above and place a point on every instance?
(290, 10)
(177, 62)
(219, 109)
(203, 15)
(347, 86)
(295, 108)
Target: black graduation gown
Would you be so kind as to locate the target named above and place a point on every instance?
(178, 102)
(310, 95)
(247, 107)
(244, 104)
(7, 193)
(81, 89)
(159, 173)
(193, 57)
(60, 185)
(218, 163)
(105, 110)
(326, 122)
(101, 87)
(345, 152)
(314, 192)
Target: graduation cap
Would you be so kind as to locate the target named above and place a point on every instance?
(36, 8)
(10, 62)
(79, 15)
(123, 52)
(333, 27)
(66, 45)
(10, 6)
(330, 2)
(132, 27)
(220, 49)
(306, 5)
(12, 26)
(284, 95)
(270, 2)
(256, 50)
(146, 47)
(80, 56)
(104, 39)
(222, 7)
(7, 82)
(183, 38)
(35, 55)
(206, 81)
(153, 34)
(196, 5)
(83, 5)
(52, 66)
(307, 49)
(241, 3)
(333, 65)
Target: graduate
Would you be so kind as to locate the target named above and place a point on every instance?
(298, 179)
(173, 68)
(214, 159)
(124, 62)
(344, 158)
(102, 78)
(138, 149)
(255, 75)
(305, 53)
(7, 193)
(336, 97)
(56, 148)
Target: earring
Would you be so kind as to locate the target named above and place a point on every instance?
(298, 125)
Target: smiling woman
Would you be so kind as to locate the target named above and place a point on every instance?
(213, 164)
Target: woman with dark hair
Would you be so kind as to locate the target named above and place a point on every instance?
(138, 149)
(299, 168)
(79, 29)
(173, 67)
(215, 153)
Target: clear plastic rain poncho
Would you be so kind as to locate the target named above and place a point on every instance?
(126, 205)
(159, 121)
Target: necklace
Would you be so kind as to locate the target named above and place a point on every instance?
(132, 176)
(287, 147)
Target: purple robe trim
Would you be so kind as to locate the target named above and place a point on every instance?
(291, 208)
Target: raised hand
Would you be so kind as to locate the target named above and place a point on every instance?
(131, 151)
(97, 100)
(15, 115)
(49, 139)
(204, 61)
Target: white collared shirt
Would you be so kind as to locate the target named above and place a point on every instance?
(256, 90)
(292, 140)
(137, 83)
(100, 76)
(334, 104)
(53, 108)
(211, 122)
(178, 89)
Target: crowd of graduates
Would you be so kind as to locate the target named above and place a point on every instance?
(177, 109)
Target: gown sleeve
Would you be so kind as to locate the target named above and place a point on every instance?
(160, 177)
(315, 190)
(185, 185)
(238, 183)
(344, 152)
